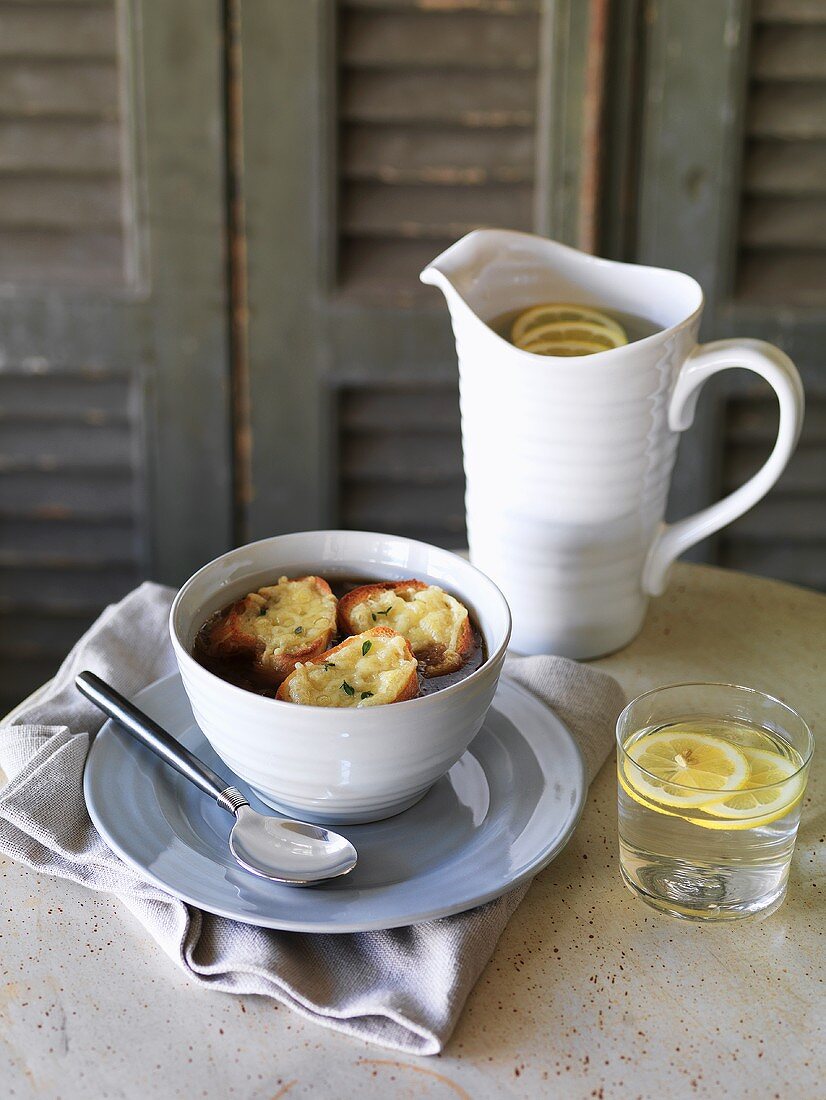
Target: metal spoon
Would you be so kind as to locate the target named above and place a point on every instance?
(291, 852)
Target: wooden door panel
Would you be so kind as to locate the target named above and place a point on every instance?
(731, 190)
(114, 427)
(410, 123)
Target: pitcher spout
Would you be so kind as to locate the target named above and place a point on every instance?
(490, 272)
(459, 270)
(452, 270)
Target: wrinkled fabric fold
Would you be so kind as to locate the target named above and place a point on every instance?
(403, 988)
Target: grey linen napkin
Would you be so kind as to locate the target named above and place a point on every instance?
(403, 988)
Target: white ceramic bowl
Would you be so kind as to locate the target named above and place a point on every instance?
(338, 764)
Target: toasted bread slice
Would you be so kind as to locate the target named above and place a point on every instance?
(277, 626)
(435, 624)
(374, 667)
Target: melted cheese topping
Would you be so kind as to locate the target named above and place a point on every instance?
(376, 676)
(290, 615)
(426, 617)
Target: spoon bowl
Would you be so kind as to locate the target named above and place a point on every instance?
(292, 852)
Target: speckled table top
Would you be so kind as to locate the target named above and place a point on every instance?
(589, 994)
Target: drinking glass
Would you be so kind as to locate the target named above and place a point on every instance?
(697, 849)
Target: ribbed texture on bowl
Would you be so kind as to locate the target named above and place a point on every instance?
(330, 764)
(362, 766)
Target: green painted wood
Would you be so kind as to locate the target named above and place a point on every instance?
(693, 87)
(179, 61)
(620, 132)
(564, 39)
(692, 90)
(693, 214)
(425, 145)
(156, 325)
(286, 81)
(114, 426)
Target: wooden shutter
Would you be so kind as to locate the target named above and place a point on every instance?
(411, 122)
(437, 135)
(731, 189)
(785, 535)
(781, 271)
(783, 228)
(401, 460)
(437, 121)
(61, 179)
(113, 426)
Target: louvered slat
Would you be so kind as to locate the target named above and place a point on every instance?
(54, 146)
(48, 636)
(437, 115)
(494, 7)
(446, 155)
(753, 422)
(46, 202)
(490, 99)
(788, 112)
(407, 480)
(790, 53)
(792, 168)
(406, 38)
(788, 11)
(373, 210)
(32, 540)
(69, 540)
(798, 223)
(784, 536)
(783, 224)
(47, 491)
(61, 193)
(52, 30)
(66, 584)
(46, 86)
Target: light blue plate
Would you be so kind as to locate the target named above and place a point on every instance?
(502, 812)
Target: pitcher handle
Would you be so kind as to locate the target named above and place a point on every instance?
(707, 359)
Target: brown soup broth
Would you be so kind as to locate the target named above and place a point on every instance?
(237, 671)
(636, 327)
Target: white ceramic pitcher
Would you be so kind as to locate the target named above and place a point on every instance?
(568, 460)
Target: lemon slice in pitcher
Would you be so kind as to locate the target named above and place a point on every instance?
(670, 762)
(769, 793)
(546, 338)
(563, 347)
(542, 320)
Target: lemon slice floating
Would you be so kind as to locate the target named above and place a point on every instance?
(674, 761)
(557, 328)
(766, 795)
(563, 347)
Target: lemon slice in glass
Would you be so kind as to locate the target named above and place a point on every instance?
(769, 793)
(552, 313)
(673, 764)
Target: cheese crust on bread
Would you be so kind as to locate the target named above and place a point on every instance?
(436, 624)
(374, 667)
(278, 626)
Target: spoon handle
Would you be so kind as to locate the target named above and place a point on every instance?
(163, 744)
